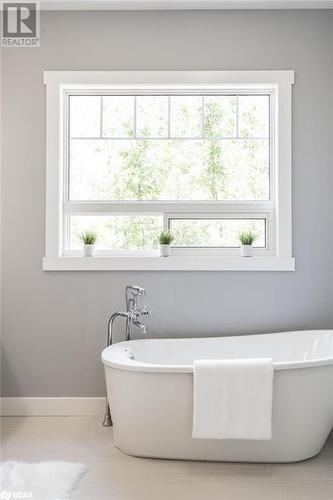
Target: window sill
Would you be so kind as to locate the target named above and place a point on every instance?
(173, 263)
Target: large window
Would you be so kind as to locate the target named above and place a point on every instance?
(202, 159)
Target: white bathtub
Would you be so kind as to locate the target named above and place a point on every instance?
(151, 395)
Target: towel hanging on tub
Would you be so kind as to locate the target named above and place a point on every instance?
(232, 399)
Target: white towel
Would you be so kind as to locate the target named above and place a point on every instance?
(232, 399)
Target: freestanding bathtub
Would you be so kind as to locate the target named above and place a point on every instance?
(150, 390)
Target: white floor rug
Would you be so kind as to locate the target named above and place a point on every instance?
(39, 481)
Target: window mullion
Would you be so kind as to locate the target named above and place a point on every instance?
(203, 118)
(135, 116)
(101, 118)
(169, 117)
(237, 117)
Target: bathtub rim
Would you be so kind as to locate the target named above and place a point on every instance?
(117, 356)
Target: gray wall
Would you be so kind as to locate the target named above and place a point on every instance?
(54, 323)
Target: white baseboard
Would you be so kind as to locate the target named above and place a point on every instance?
(51, 406)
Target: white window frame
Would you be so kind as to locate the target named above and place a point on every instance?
(278, 255)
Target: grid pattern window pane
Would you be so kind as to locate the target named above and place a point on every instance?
(220, 118)
(118, 116)
(85, 116)
(160, 147)
(186, 116)
(152, 116)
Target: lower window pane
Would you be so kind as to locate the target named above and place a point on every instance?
(215, 232)
(121, 232)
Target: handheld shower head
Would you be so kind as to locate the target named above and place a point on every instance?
(137, 290)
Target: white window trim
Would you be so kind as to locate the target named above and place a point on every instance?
(279, 82)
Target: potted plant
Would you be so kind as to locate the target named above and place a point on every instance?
(88, 239)
(246, 239)
(165, 239)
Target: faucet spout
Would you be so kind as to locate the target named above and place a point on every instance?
(140, 325)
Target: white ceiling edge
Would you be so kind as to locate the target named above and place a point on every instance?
(182, 4)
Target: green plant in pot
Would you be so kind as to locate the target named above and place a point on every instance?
(165, 239)
(88, 239)
(246, 239)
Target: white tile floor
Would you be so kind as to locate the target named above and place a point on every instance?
(113, 475)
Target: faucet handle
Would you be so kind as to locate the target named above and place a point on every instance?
(138, 313)
(146, 312)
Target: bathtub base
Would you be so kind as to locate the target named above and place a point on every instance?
(225, 460)
(234, 454)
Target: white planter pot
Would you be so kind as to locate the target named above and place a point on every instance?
(165, 250)
(88, 250)
(246, 250)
